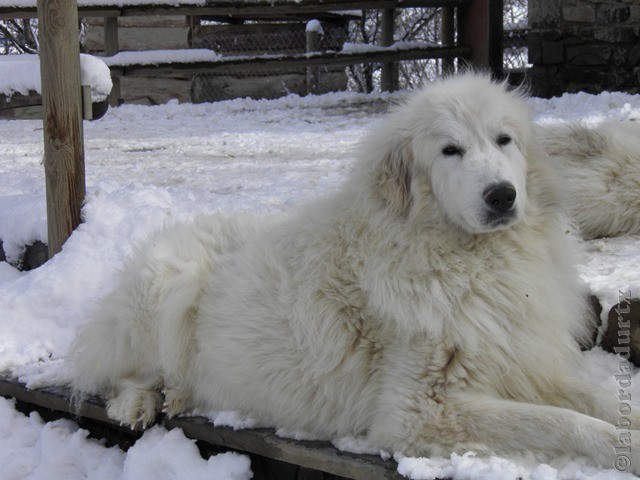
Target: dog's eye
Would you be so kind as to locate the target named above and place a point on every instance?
(504, 140)
(451, 150)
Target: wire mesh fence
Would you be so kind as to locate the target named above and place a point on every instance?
(423, 25)
(266, 38)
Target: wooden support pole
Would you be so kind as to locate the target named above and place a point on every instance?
(313, 73)
(62, 118)
(111, 47)
(389, 74)
(448, 37)
(480, 27)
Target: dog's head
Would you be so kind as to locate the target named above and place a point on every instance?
(462, 144)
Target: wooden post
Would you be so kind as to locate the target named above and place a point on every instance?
(480, 27)
(448, 37)
(313, 73)
(111, 47)
(62, 118)
(389, 74)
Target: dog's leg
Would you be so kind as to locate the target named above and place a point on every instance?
(515, 426)
(136, 402)
(611, 406)
(176, 317)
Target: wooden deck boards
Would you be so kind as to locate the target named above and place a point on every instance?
(314, 455)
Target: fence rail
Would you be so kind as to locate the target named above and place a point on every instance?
(239, 8)
(479, 33)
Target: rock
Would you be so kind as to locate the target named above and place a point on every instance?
(623, 332)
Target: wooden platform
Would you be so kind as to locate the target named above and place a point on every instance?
(242, 63)
(319, 460)
(29, 107)
(247, 9)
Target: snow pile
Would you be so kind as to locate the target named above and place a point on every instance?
(31, 448)
(21, 74)
(154, 57)
(151, 166)
(314, 26)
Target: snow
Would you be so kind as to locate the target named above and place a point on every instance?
(349, 47)
(314, 26)
(21, 74)
(151, 166)
(61, 450)
(154, 57)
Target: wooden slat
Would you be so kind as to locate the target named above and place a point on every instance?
(29, 107)
(239, 64)
(264, 8)
(316, 455)
(276, 8)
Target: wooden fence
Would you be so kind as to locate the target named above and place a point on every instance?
(478, 31)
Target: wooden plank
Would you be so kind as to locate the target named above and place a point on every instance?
(18, 100)
(313, 74)
(276, 8)
(62, 103)
(239, 64)
(111, 47)
(448, 36)
(480, 25)
(263, 8)
(7, 13)
(389, 74)
(29, 107)
(316, 455)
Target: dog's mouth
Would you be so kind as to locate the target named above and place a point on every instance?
(493, 220)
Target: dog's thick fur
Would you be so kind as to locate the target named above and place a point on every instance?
(600, 168)
(417, 306)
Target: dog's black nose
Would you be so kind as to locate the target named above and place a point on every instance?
(500, 197)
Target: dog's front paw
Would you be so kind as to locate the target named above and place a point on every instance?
(134, 407)
(176, 401)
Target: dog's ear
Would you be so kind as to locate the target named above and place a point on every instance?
(394, 181)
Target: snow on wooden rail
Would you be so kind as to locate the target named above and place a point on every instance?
(150, 62)
(21, 87)
(315, 455)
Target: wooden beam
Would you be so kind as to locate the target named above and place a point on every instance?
(447, 19)
(265, 8)
(316, 455)
(265, 62)
(111, 47)
(62, 104)
(480, 26)
(29, 107)
(278, 7)
(313, 73)
(389, 74)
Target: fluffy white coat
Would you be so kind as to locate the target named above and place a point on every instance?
(600, 169)
(431, 304)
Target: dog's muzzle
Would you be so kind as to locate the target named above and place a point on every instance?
(499, 199)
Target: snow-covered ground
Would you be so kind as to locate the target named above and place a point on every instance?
(149, 166)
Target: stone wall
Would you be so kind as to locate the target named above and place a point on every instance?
(584, 45)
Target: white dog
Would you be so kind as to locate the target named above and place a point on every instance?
(600, 168)
(431, 305)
